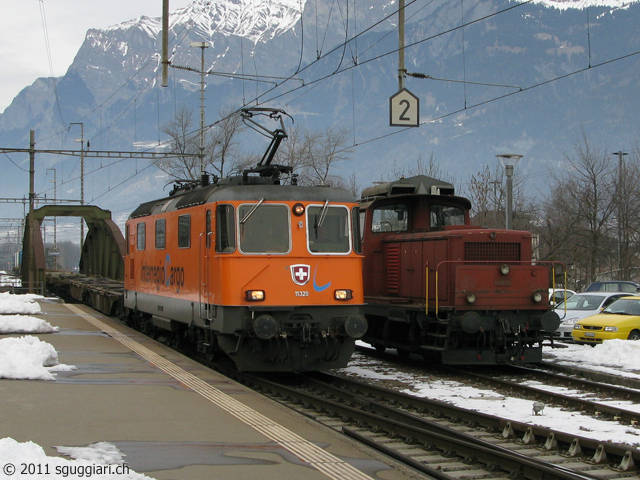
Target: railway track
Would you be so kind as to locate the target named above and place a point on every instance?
(574, 393)
(448, 442)
(444, 441)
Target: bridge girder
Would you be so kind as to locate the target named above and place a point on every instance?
(103, 248)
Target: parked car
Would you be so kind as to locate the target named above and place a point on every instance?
(619, 320)
(582, 305)
(559, 295)
(614, 286)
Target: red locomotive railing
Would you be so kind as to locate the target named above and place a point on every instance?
(552, 265)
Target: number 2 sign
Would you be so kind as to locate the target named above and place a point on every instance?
(404, 109)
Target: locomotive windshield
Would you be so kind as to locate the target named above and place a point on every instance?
(328, 229)
(442, 215)
(265, 230)
(390, 218)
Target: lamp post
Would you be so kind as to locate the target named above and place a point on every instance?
(509, 161)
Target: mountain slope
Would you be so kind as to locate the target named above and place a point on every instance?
(522, 93)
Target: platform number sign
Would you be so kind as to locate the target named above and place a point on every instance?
(404, 109)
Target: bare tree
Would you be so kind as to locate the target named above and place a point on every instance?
(430, 168)
(583, 198)
(313, 155)
(627, 214)
(183, 141)
(486, 193)
(221, 145)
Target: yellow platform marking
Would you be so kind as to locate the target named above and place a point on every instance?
(306, 451)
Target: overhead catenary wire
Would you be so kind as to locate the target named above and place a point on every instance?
(308, 86)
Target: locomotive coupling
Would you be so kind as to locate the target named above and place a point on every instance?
(354, 326)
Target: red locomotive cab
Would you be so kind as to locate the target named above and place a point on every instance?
(434, 284)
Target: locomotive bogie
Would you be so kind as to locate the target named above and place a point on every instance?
(269, 275)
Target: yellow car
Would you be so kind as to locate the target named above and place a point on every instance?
(619, 320)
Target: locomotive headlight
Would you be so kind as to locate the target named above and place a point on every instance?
(536, 297)
(344, 294)
(254, 295)
(471, 298)
(504, 269)
(298, 209)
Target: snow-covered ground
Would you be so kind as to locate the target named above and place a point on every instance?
(29, 357)
(613, 356)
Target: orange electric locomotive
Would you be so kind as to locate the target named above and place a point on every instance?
(437, 286)
(267, 273)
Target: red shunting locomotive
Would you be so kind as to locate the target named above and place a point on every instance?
(437, 286)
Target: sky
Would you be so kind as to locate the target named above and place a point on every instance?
(29, 51)
(26, 355)
(24, 47)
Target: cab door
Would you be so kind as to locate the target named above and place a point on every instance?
(204, 264)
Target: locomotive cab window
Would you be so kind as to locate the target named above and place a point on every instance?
(442, 215)
(184, 231)
(328, 229)
(264, 228)
(225, 231)
(141, 239)
(161, 233)
(355, 225)
(390, 218)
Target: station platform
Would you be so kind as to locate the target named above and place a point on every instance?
(170, 416)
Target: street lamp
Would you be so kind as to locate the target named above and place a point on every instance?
(509, 161)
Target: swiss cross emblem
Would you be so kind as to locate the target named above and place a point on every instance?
(300, 274)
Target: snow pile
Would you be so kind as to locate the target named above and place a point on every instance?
(29, 358)
(612, 356)
(101, 461)
(620, 357)
(19, 304)
(25, 324)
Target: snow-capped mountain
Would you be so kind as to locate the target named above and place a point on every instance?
(496, 76)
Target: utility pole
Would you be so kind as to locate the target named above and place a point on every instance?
(55, 219)
(620, 193)
(165, 43)
(202, 46)
(81, 179)
(401, 70)
(31, 268)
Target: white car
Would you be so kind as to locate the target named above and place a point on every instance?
(559, 295)
(582, 305)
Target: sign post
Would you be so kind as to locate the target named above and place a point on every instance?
(404, 109)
